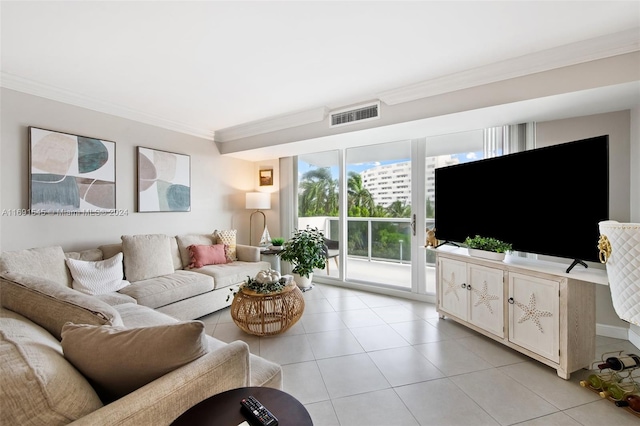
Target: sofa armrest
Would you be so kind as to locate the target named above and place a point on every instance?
(248, 253)
(163, 400)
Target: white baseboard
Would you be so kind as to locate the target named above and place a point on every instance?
(613, 331)
(634, 338)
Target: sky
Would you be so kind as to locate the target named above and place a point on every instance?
(462, 158)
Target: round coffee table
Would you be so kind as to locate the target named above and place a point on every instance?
(225, 409)
(266, 314)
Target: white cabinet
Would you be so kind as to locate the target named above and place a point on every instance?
(534, 314)
(472, 293)
(533, 307)
(486, 304)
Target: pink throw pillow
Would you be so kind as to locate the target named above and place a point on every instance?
(202, 255)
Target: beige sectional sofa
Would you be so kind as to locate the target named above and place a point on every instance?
(39, 385)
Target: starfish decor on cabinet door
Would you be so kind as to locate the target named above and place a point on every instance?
(532, 313)
(451, 286)
(484, 297)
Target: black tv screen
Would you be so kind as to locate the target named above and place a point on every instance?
(545, 201)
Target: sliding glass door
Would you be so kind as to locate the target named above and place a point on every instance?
(375, 204)
(379, 215)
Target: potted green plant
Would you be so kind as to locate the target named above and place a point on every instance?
(305, 251)
(487, 247)
(276, 243)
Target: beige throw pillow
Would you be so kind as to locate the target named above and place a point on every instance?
(227, 237)
(117, 360)
(146, 256)
(51, 305)
(43, 262)
(38, 386)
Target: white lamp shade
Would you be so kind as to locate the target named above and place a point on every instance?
(258, 201)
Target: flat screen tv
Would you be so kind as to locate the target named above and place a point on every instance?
(545, 201)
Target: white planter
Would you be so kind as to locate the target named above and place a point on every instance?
(491, 255)
(302, 282)
(620, 250)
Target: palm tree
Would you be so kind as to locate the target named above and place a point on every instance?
(399, 209)
(318, 194)
(359, 198)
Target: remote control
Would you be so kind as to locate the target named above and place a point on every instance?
(259, 412)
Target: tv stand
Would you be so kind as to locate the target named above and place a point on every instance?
(533, 307)
(575, 262)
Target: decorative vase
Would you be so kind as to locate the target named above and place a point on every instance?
(619, 247)
(302, 282)
(484, 254)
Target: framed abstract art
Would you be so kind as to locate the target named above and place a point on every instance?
(70, 173)
(164, 181)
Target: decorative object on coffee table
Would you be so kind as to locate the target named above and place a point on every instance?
(268, 308)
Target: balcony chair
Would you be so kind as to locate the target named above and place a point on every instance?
(331, 249)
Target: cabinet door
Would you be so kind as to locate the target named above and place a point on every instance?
(534, 317)
(452, 287)
(486, 304)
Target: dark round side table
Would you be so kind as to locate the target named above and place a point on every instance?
(224, 409)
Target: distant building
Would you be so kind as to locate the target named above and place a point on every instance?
(392, 182)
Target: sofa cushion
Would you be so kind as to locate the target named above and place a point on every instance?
(175, 254)
(263, 372)
(232, 273)
(39, 387)
(44, 262)
(97, 277)
(115, 298)
(131, 357)
(51, 305)
(146, 256)
(227, 237)
(90, 255)
(134, 316)
(186, 240)
(161, 291)
(207, 255)
(110, 250)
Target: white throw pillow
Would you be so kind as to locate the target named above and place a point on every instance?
(100, 277)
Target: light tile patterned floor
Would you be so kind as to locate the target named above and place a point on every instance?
(358, 358)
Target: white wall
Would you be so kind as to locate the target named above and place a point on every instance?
(218, 183)
(617, 125)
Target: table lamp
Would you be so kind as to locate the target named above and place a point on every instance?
(259, 201)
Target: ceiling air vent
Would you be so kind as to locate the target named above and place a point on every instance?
(354, 115)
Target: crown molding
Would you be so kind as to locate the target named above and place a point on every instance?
(620, 43)
(35, 88)
(272, 124)
(570, 54)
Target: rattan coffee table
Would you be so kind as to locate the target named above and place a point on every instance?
(267, 314)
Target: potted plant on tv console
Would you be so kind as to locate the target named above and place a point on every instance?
(305, 251)
(487, 247)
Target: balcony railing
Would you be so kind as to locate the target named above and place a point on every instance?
(372, 238)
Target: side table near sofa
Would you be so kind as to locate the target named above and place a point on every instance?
(225, 409)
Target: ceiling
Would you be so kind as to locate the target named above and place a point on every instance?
(205, 66)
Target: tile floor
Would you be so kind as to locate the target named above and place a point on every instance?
(358, 358)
